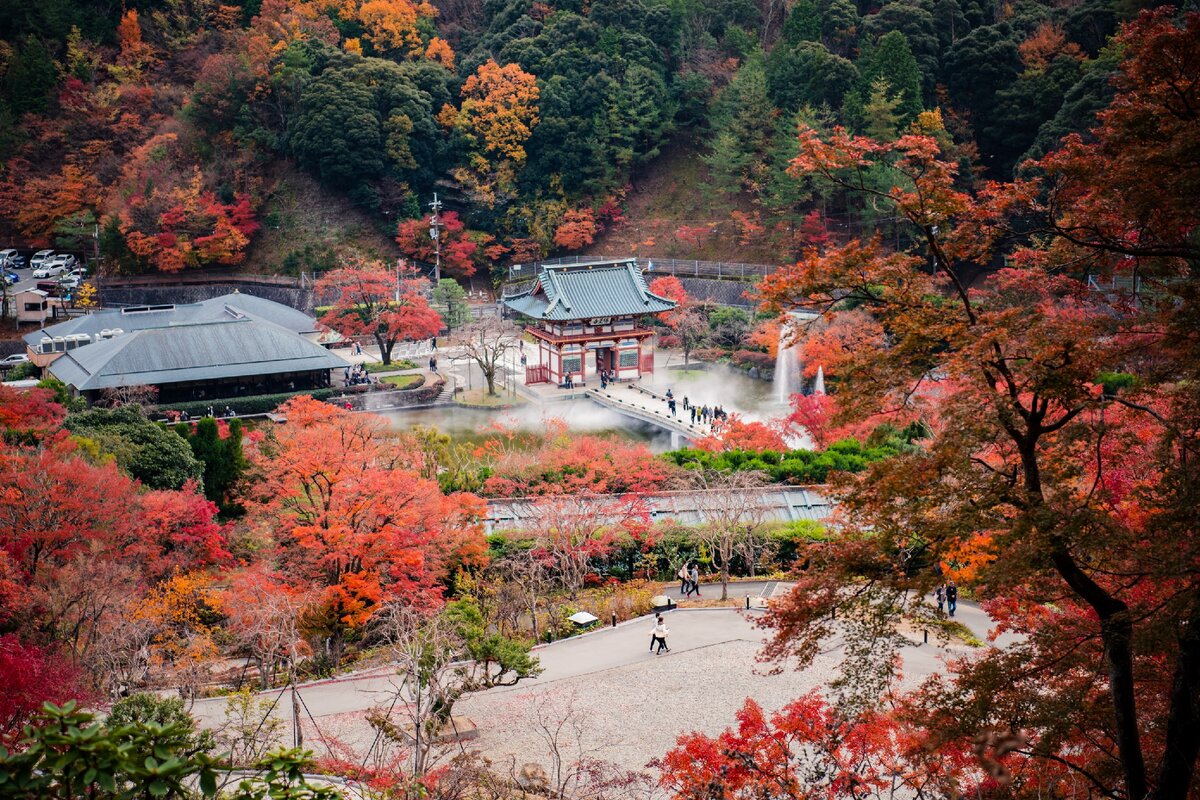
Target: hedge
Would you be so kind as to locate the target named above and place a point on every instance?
(242, 406)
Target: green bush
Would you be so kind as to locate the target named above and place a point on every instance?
(143, 449)
(806, 466)
(242, 406)
(399, 363)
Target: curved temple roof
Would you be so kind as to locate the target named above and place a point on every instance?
(574, 292)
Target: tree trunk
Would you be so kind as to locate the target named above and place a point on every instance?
(725, 579)
(385, 348)
(490, 375)
(1116, 631)
(1183, 720)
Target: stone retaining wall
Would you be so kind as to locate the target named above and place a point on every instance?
(295, 297)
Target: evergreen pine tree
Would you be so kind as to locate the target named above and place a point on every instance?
(31, 78)
(892, 59)
(881, 118)
(803, 24)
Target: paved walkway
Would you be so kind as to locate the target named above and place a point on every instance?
(627, 703)
(969, 613)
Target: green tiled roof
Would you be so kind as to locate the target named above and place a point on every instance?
(571, 292)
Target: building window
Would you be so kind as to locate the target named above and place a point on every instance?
(572, 364)
(629, 358)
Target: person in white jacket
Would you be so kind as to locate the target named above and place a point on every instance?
(658, 635)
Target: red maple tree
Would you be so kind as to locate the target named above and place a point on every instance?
(367, 299)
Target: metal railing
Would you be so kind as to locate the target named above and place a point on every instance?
(722, 270)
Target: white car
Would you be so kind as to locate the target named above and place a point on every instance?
(11, 258)
(55, 266)
(49, 270)
(40, 257)
(70, 281)
(13, 360)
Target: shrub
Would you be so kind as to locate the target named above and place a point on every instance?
(668, 340)
(242, 406)
(753, 358)
(709, 354)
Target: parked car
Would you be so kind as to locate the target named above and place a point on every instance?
(79, 272)
(9, 277)
(13, 360)
(49, 271)
(55, 265)
(40, 257)
(11, 259)
(69, 281)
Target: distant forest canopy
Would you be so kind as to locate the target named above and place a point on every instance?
(159, 122)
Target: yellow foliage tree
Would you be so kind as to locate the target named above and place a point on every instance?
(392, 24)
(499, 109)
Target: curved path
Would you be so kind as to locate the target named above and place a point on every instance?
(624, 704)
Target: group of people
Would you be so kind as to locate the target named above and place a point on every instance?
(707, 415)
(607, 376)
(947, 596)
(704, 414)
(184, 416)
(356, 375)
(433, 364)
(689, 580)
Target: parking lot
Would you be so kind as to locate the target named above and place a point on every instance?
(25, 279)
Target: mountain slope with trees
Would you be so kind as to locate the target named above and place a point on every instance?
(161, 125)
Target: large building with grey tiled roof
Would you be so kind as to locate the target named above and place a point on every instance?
(588, 318)
(230, 346)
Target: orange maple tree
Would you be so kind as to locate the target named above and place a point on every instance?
(578, 229)
(353, 520)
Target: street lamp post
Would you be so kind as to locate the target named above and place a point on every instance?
(435, 233)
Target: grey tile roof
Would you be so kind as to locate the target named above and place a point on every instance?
(572, 292)
(779, 503)
(192, 352)
(225, 307)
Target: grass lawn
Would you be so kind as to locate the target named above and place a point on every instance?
(479, 398)
(403, 381)
(400, 363)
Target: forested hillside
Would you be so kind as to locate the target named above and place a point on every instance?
(164, 123)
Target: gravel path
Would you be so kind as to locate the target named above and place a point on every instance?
(604, 693)
(632, 714)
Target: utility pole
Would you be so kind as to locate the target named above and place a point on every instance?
(435, 233)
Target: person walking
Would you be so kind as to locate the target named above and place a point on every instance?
(432, 364)
(660, 634)
(671, 406)
(694, 574)
(684, 580)
(654, 631)
(952, 597)
(939, 594)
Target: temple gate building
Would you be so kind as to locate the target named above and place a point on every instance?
(587, 318)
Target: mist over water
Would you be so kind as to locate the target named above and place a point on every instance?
(716, 385)
(580, 415)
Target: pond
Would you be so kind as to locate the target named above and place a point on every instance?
(717, 386)
(582, 416)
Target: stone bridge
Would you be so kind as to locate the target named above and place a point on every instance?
(640, 403)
